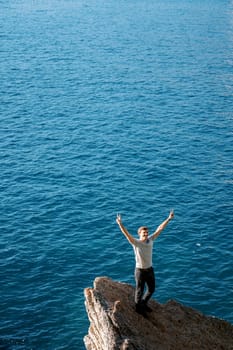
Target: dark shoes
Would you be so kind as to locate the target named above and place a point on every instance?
(139, 308)
(142, 308)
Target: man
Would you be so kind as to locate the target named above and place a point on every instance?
(144, 273)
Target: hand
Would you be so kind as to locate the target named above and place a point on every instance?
(171, 215)
(118, 219)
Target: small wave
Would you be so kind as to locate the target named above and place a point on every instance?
(13, 344)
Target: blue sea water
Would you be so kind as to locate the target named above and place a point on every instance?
(106, 107)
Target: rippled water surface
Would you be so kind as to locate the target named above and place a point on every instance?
(106, 107)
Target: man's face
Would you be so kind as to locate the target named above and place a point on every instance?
(143, 234)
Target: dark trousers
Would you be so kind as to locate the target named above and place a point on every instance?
(144, 277)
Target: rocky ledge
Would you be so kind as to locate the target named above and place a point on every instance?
(114, 325)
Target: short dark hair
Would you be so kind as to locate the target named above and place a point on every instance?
(142, 228)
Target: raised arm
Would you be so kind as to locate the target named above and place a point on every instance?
(163, 225)
(124, 230)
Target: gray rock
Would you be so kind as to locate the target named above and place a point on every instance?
(114, 324)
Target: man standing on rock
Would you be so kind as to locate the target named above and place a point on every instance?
(144, 273)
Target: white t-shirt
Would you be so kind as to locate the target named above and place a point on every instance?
(143, 253)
